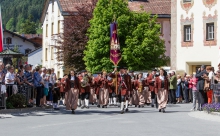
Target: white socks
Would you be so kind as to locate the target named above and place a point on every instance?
(152, 101)
(114, 100)
(110, 101)
(126, 104)
(83, 103)
(122, 105)
(79, 102)
(87, 103)
(97, 101)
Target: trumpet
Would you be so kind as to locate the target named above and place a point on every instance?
(140, 88)
(85, 81)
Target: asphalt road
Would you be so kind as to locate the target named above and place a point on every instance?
(147, 121)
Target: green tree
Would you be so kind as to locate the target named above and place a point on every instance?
(144, 47)
(10, 25)
(97, 51)
(29, 26)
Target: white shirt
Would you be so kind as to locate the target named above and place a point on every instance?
(211, 74)
(161, 78)
(72, 78)
(9, 76)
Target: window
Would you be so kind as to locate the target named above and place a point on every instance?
(46, 16)
(210, 31)
(46, 30)
(52, 53)
(52, 29)
(187, 1)
(46, 54)
(187, 33)
(27, 51)
(8, 40)
(53, 6)
(58, 27)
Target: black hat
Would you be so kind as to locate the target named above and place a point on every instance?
(30, 65)
(154, 69)
(83, 71)
(131, 71)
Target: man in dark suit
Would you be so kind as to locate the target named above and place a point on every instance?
(200, 85)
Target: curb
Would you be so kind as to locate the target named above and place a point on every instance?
(24, 110)
(213, 113)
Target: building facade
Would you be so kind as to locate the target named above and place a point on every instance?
(14, 40)
(35, 57)
(194, 34)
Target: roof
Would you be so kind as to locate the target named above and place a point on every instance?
(14, 34)
(10, 52)
(34, 50)
(65, 6)
(152, 6)
(30, 36)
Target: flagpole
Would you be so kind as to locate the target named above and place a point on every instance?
(1, 32)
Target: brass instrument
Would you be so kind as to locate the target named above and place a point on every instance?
(140, 88)
(85, 81)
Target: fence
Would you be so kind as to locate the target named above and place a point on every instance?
(10, 89)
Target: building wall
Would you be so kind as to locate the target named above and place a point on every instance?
(188, 56)
(49, 39)
(166, 34)
(35, 58)
(17, 41)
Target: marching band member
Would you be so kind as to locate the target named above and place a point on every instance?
(133, 99)
(151, 80)
(84, 89)
(147, 92)
(129, 89)
(111, 89)
(140, 83)
(123, 87)
(161, 89)
(98, 84)
(104, 93)
(92, 97)
(72, 96)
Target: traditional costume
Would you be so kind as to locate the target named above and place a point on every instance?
(151, 80)
(161, 89)
(140, 83)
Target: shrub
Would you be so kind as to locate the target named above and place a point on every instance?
(16, 101)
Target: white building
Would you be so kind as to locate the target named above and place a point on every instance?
(24, 45)
(194, 34)
(35, 57)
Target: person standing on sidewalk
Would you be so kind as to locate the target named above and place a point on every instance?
(38, 83)
(201, 72)
(173, 87)
(28, 78)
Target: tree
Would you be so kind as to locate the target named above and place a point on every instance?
(29, 26)
(73, 40)
(144, 47)
(97, 51)
(10, 25)
(138, 33)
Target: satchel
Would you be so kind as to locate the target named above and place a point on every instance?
(3, 89)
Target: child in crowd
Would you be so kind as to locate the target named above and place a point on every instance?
(56, 95)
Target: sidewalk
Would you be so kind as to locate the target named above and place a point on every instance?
(24, 110)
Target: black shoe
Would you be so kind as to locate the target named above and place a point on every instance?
(139, 106)
(92, 103)
(135, 106)
(98, 106)
(142, 106)
(87, 107)
(163, 110)
(82, 107)
(152, 106)
(56, 108)
(122, 111)
(126, 109)
(159, 110)
(103, 106)
(73, 112)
